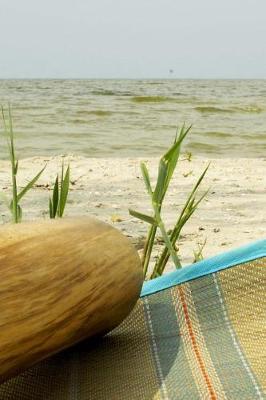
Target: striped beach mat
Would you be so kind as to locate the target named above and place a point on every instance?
(197, 333)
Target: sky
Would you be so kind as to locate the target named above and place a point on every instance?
(133, 39)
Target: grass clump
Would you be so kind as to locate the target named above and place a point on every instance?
(198, 254)
(167, 166)
(58, 200)
(14, 205)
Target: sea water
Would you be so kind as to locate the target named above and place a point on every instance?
(129, 118)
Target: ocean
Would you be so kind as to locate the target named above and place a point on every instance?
(129, 118)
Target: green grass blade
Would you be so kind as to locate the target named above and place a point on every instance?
(30, 184)
(143, 217)
(172, 156)
(64, 191)
(19, 213)
(148, 249)
(14, 165)
(201, 198)
(51, 211)
(193, 192)
(146, 177)
(160, 185)
(167, 166)
(16, 168)
(55, 199)
(62, 171)
(166, 238)
(53, 203)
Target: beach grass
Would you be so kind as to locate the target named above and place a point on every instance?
(57, 202)
(167, 166)
(198, 253)
(14, 205)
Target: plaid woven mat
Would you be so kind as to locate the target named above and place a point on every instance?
(201, 339)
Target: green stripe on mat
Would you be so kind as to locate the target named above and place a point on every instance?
(169, 355)
(233, 326)
(218, 334)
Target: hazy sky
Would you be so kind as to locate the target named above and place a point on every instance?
(132, 38)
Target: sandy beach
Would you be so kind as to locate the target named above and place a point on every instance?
(232, 214)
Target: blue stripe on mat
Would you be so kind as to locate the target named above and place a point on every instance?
(205, 267)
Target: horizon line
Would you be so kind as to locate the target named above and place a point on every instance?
(131, 79)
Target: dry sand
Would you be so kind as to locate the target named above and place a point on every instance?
(233, 214)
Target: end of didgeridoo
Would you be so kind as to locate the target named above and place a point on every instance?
(61, 281)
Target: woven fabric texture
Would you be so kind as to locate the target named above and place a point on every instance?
(203, 339)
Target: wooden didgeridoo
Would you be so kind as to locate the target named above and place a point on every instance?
(61, 282)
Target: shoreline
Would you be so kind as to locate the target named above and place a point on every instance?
(231, 215)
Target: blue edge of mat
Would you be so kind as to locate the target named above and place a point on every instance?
(222, 261)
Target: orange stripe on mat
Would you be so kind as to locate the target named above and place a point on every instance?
(195, 346)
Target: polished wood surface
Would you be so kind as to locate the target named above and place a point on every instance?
(61, 281)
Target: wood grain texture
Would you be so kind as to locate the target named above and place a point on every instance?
(61, 281)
